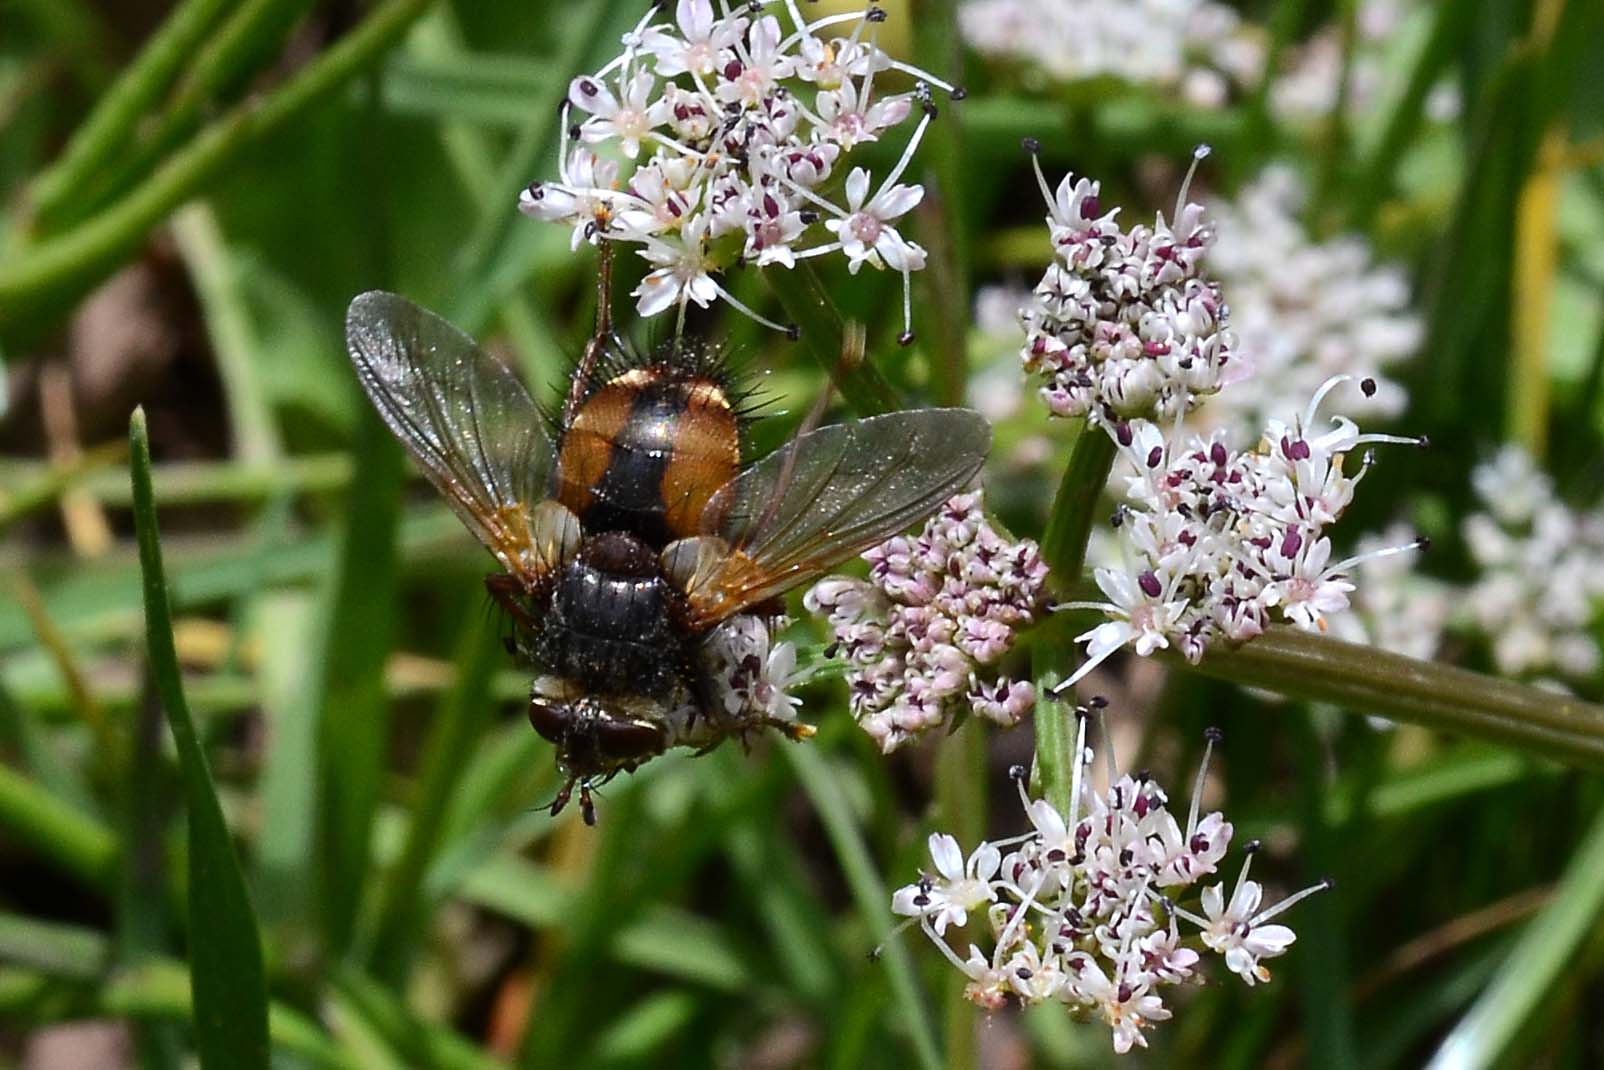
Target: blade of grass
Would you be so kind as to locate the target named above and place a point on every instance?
(352, 710)
(1531, 973)
(229, 990)
(230, 55)
(143, 921)
(21, 733)
(1366, 680)
(421, 1042)
(60, 833)
(217, 284)
(159, 991)
(285, 623)
(108, 127)
(103, 602)
(47, 277)
(870, 895)
(639, 1031)
(459, 721)
(824, 336)
(481, 89)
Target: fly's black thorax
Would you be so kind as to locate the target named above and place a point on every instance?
(608, 625)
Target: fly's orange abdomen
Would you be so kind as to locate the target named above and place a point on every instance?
(645, 452)
(707, 451)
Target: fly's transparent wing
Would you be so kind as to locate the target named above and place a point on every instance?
(825, 496)
(463, 415)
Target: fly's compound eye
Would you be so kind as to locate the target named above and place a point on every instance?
(626, 740)
(551, 720)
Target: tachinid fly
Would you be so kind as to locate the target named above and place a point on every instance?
(640, 559)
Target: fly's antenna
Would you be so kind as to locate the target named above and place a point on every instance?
(598, 340)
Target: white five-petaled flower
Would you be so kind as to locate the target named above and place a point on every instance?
(957, 887)
(866, 233)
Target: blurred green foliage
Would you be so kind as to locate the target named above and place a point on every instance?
(256, 164)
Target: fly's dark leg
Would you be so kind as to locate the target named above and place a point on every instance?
(565, 794)
(587, 805)
(508, 593)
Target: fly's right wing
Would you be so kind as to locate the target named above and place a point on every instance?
(466, 419)
(821, 498)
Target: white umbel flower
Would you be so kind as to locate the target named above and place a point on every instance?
(731, 120)
(1085, 908)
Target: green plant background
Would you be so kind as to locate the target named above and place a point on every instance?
(331, 658)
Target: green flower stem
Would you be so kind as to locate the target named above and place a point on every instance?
(869, 891)
(1063, 548)
(107, 129)
(230, 991)
(47, 277)
(1366, 680)
(825, 336)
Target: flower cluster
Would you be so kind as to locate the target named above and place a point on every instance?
(1303, 310)
(936, 610)
(1541, 588)
(1086, 907)
(1196, 49)
(1224, 541)
(729, 128)
(1124, 323)
(1307, 87)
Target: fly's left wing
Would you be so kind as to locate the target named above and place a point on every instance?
(465, 418)
(820, 499)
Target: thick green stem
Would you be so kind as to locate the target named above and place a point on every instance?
(49, 276)
(1371, 681)
(1063, 547)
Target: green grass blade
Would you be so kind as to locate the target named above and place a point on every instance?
(111, 124)
(73, 842)
(35, 286)
(1531, 976)
(871, 896)
(353, 711)
(229, 990)
(458, 723)
(284, 623)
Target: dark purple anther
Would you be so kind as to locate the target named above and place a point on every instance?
(1291, 544)
(1149, 584)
